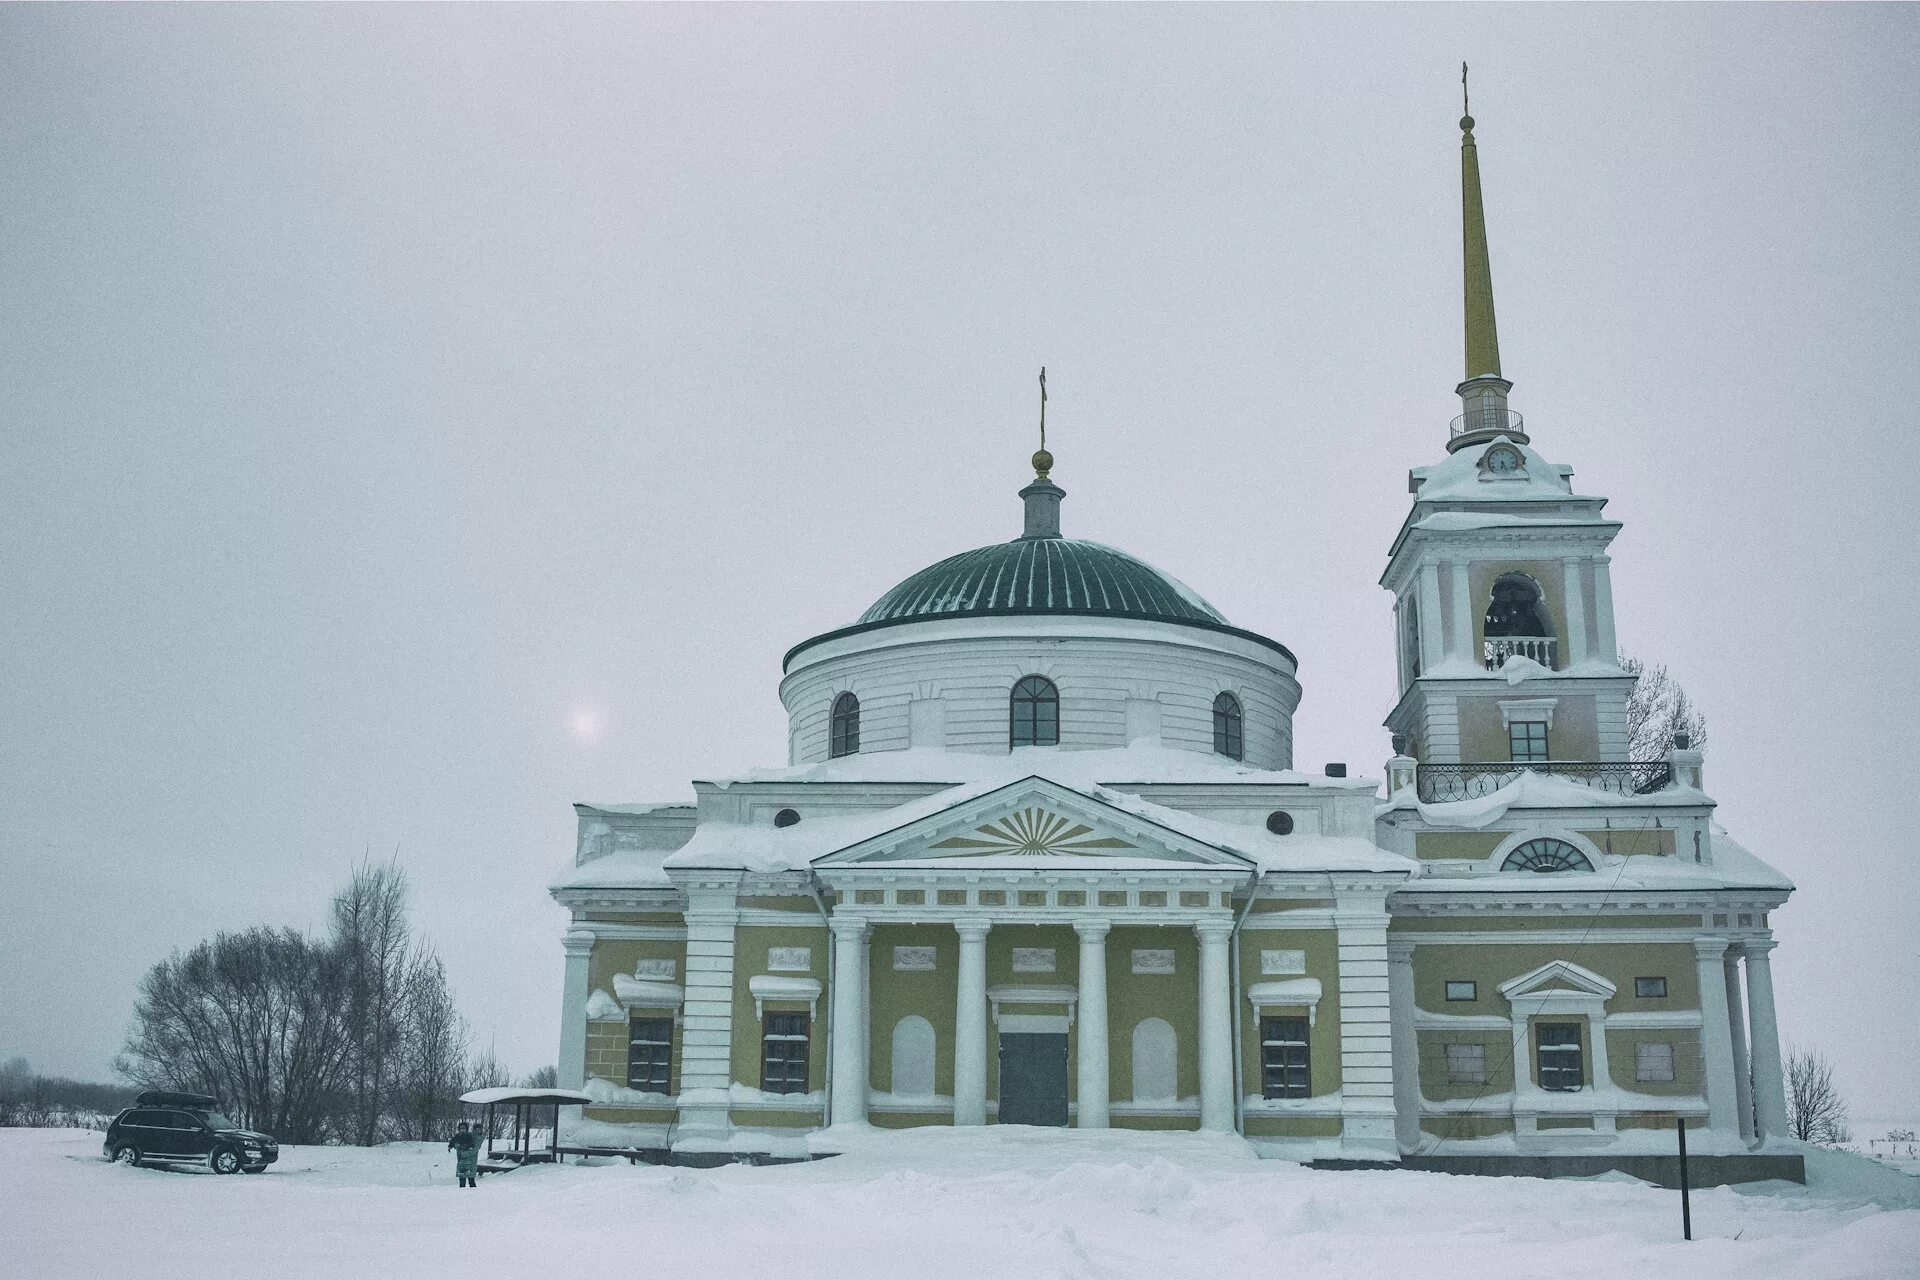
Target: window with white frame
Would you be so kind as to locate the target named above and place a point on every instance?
(649, 1053)
(1650, 988)
(1527, 741)
(1284, 1067)
(783, 1056)
(1562, 1066)
(1459, 990)
(1466, 1064)
(1653, 1063)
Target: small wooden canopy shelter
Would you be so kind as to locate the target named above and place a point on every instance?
(523, 1101)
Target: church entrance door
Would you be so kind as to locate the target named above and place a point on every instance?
(1033, 1078)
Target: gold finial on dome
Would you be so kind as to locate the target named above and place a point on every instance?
(1042, 464)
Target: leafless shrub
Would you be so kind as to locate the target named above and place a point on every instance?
(1815, 1110)
(1658, 710)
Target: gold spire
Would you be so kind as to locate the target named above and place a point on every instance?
(1483, 337)
(1042, 460)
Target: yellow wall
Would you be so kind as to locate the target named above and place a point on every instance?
(1575, 734)
(1466, 845)
(1323, 1040)
(750, 946)
(607, 1041)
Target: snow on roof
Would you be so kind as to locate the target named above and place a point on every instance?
(1531, 790)
(1107, 766)
(1458, 479)
(760, 848)
(640, 810)
(543, 1097)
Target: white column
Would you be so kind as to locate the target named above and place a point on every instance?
(1716, 1045)
(1433, 623)
(1737, 1033)
(1603, 610)
(1769, 1082)
(1216, 1033)
(1368, 1112)
(578, 944)
(1463, 614)
(706, 1043)
(1574, 591)
(970, 1026)
(1092, 1092)
(1406, 1045)
(849, 1019)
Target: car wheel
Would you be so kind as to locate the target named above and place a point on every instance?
(127, 1155)
(225, 1161)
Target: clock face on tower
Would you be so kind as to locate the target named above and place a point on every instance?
(1502, 461)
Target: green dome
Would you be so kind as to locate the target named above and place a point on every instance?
(1042, 575)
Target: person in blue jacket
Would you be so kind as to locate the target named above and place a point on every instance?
(465, 1145)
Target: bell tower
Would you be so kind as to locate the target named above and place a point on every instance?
(1503, 604)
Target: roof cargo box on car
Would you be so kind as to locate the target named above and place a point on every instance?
(167, 1098)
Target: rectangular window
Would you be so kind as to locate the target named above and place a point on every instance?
(1650, 988)
(783, 1056)
(1527, 740)
(1283, 1059)
(1653, 1062)
(1466, 1064)
(1562, 1067)
(1463, 991)
(649, 1054)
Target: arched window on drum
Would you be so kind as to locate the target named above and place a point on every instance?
(1229, 736)
(843, 738)
(1033, 713)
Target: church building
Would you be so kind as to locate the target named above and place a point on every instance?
(1039, 855)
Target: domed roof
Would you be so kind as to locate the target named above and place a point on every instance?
(1042, 575)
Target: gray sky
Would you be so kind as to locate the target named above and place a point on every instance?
(419, 419)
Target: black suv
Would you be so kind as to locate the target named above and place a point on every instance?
(170, 1127)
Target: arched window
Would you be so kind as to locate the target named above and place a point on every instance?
(1155, 1061)
(1228, 739)
(1516, 608)
(1517, 623)
(1546, 855)
(1034, 713)
(844, 737)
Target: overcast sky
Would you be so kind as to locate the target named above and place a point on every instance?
(417, 420)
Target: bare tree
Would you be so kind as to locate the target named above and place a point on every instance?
(433, 1049)
(1815, 1110)
(1658, 710)
(547, 1077)
(252, 1018)
(370, 935)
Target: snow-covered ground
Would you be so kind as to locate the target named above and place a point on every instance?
(933, 1204)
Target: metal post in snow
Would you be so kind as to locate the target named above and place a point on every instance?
(1686, 1200)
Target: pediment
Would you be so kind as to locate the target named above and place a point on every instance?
(1035, 820)
(1559, 977)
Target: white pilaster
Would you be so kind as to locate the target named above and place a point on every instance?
(1093, 1043)
(578, 944)
(1462, 640)
(1716, 1044)
(1406, 1045)
(1769, 1081)
(849, 1020)
(706, 1046)
(1737, 1033)
(1433, 623)
(1609, 648)
(970, 1026)
(1575, 593)
(1216, 1034)
(1367, 1106)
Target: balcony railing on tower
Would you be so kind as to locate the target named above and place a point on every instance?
(1497, 649)
(1493, 421)
(1440, 783)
